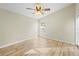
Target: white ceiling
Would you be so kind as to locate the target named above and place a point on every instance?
(20, 8)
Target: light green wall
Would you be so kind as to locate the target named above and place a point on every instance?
(15, 27)
(60, 25)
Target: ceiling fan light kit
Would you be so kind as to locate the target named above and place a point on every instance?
(38, 10)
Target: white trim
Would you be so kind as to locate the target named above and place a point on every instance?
(60, 40)
(6, 45)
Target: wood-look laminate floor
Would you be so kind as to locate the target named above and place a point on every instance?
(42, 47)
(57, 51)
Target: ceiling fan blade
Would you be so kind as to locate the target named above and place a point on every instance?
(30, 8)
(46, 9)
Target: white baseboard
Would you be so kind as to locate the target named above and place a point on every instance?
(6, 45)
(59, 40)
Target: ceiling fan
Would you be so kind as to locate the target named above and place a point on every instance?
(38, 9)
